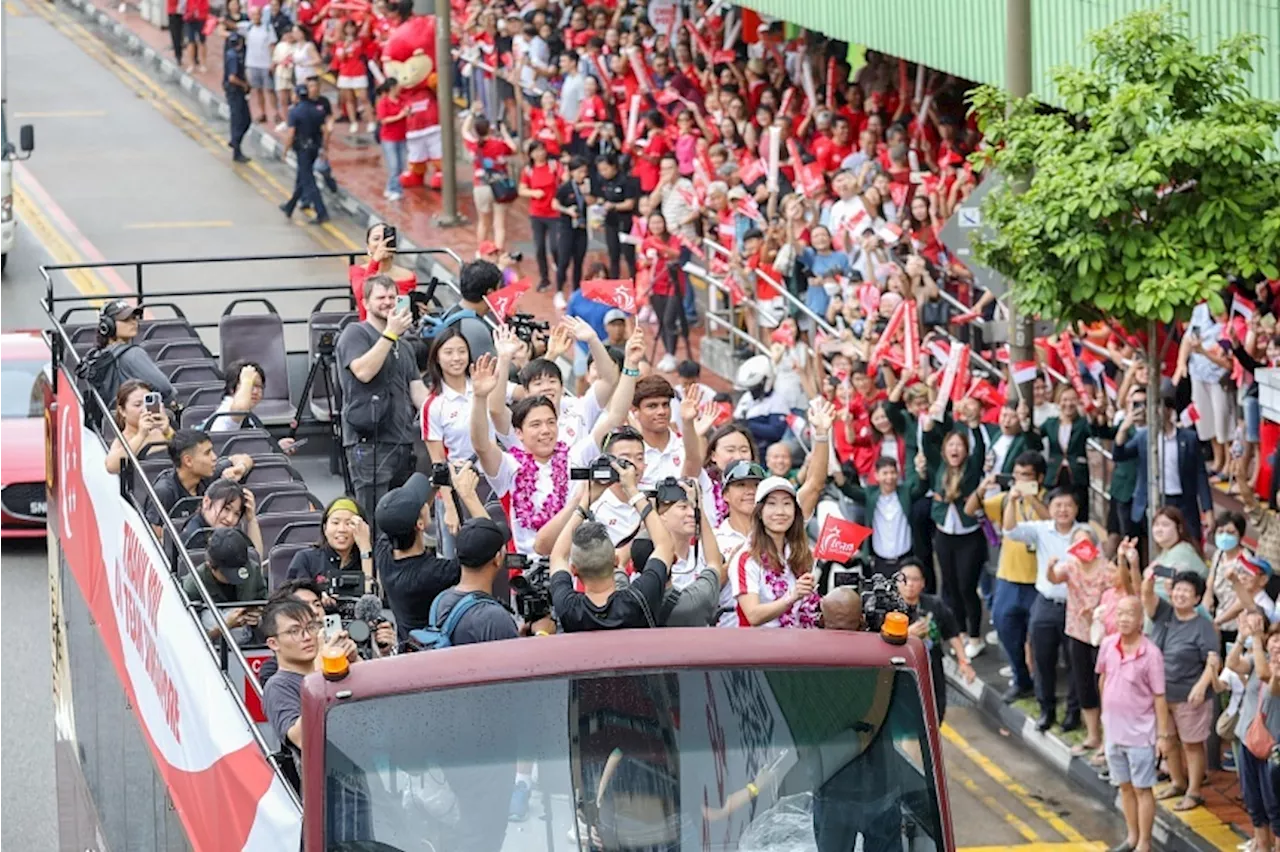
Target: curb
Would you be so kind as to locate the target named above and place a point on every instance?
(1169, 832)
(215, 107)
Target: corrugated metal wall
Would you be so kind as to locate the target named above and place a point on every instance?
(966, 37)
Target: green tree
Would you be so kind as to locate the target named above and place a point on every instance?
(1160, 178)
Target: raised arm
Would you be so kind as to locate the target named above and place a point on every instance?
(620, 403)
(821, 415)
(483, 381)
(1148, 593)
(606, 369)
(507, 345)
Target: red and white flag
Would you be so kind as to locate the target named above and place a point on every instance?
(1190, 416)
(1242, 306)
(1023, 372)
(503, 302)
(839, 539)
(620, 293)
(1109, 385)
(952, 380)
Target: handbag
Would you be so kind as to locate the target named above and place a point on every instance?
(1097, 626)
(935, 313)
(1257, 739)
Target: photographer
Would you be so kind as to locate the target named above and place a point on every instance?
(933, 623)
(697, 587)
(586, 551)
(312, 594)
(476, 280)
(411, 577)
(342, 560)
(381, 392)
(482, 550)
(608, 502)
(380, 242)
(229, 575)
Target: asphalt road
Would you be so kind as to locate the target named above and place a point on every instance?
(120, 172)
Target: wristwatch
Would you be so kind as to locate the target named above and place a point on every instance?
(366, 554)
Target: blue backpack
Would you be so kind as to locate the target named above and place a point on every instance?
(435, 635)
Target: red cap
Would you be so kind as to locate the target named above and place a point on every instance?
(487, 247)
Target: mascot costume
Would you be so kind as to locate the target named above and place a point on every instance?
(409, 56)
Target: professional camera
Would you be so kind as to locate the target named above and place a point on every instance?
(879, 593)
(440, 475)
(516, 256)
(601, 471)
(669, 490)
(327, 342)
(360, 616)
(524, 325)
(532, 586)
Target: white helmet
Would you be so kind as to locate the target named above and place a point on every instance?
(754, 371)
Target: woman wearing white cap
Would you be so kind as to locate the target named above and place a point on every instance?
(772, 574)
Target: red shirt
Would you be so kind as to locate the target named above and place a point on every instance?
(545, 131)
(764, 290)
(659, 273)
(349, 57)
(829, 155)
(649, 153)
(391, 131)
(197, 10)
(494, 150)
(591, 109)
(546, 178)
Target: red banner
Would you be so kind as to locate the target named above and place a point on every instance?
(503, 302)
(839, 540)
(1067, 353)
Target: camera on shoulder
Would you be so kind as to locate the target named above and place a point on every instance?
(532, 586)
(879, 593)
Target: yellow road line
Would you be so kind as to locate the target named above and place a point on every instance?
(1002, 778)
(63, 113)
(1207, 825)
(156, 226)
(1027, 832)
(1040, 847)
(196, 128)
(85, 280)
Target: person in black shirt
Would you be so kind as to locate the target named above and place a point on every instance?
(619, 194)
(585, 550)
(195, 467)
(236, 87)
(934, 624)
(571, 201)
(410, 576)
(341, 562)
(308, 127)
(226, 504)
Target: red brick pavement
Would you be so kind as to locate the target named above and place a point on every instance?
(358, 167)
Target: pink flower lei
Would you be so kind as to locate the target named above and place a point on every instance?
(804, 613)
(526, 484)
(717, 493)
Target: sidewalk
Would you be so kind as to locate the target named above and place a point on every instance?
(356, 162)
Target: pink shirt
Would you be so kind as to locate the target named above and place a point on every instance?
(1129, 693)
(1084, 594)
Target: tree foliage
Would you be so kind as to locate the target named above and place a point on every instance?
(1160, 178)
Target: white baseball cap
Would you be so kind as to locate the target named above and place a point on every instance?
(772, 484)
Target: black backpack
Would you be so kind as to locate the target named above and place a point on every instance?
(100, 370)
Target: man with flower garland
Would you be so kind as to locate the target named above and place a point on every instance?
(533, 476)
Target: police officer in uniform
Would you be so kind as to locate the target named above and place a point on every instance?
(236, 87)
(306, 136)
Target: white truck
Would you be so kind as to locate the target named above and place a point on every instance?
(26, 142)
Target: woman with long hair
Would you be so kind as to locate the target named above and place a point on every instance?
(958, 540)
(881, 436)
(772, 573)
(139, 425)
(342, 558)
(659, 253)
(539, 181)
(446, 418)
(1254, 658)
(726, 445)
(1174, 547)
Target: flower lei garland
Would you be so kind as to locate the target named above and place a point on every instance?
(804, 614)
(717, 494)
(526, 483)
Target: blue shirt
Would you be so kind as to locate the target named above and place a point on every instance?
(591, 312)
(232, 66)
(822, 266)
(306, 117)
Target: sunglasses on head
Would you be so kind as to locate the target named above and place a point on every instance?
(743, 470)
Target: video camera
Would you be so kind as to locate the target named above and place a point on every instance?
(879, 593)
(361, 616)
(601, 471)
(524, 325)
(532, 586)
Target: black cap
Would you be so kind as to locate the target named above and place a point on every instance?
(398, 510)
(227, 550)
(118, 308)
(479, 540)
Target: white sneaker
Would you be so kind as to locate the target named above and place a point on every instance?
(282, 127)
(993, 638)
(394, 196)
(558, 301)
(974, 647)
(667, 364)
(371, 127)
(1006, 672)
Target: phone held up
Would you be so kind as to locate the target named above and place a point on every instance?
(389, 236)
(152, 402)
(402, 304)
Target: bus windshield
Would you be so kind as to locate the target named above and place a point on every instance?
(743, 759)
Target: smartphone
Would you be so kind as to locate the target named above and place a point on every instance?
(402, 304)
(1004, 480)
(332, 626)
(1163, 571)
(1030, 489)
(389, 236)
(299, 443)
(152, 402)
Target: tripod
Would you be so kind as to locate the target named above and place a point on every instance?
(322, 364)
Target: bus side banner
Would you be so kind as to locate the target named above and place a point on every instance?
(224, 789)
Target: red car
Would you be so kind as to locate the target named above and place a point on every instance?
(24, 362)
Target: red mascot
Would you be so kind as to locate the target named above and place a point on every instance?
(409, 56)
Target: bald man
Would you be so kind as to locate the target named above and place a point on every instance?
(842, 609)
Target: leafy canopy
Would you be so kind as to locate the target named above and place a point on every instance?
(1161, 178)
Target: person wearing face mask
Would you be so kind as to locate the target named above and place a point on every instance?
(1220, 594)
(1183, 475)
(1189, 644)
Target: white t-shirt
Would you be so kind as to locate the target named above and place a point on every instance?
(684, 571)
(617, 516)
(747, 576)
(446, 417)
(504, 482)
(257, 43)
(223, 424)
(659, 464)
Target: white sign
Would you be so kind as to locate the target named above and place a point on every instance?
(665, 16)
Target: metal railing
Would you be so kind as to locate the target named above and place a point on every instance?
(716, 286)
(63, 350)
